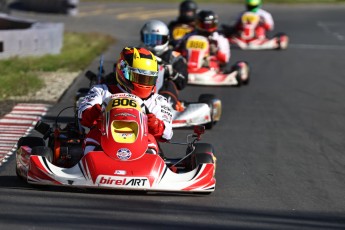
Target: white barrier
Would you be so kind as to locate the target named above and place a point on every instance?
(22, 38)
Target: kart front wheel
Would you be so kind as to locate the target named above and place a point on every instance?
(43, 151)
(202, 154)
(32, 142)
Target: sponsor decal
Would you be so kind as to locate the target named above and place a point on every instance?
(120, 172)
(126, 135)
(89, 97)
(125, 114)
(124, 154)
(166, 110)
(141, 182)
(166, 117)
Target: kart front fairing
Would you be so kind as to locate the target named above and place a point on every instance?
(194, 113)
(124, 128)
(98, 170)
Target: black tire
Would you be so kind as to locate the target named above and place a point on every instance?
(43, 151)
(238, 76)
(203, 148)
(30, 141)
(239, 70)
(278, 36)
(208, 99)
(246, 82)
(18, 174)
(200, 155)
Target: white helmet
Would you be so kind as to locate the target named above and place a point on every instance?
(155, 36)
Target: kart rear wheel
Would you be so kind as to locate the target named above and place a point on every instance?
(283, 41)
(243, 73)
(32, 142)
(208, 99)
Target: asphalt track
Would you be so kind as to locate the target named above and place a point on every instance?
(280, 143)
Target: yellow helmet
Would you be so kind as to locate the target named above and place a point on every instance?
(137, 71)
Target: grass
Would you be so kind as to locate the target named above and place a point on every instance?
(19, 76)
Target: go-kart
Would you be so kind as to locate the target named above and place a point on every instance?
(204, 69)
(246, 38)
(206, 111)
(124, 160)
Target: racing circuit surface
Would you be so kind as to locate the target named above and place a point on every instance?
(279, 145)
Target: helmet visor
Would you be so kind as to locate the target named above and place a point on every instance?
(208, 25)
(142, 77)
(252, 8)
(155, 39)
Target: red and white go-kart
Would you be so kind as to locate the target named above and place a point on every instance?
(247, 38)
(127, 159)
(204, 69)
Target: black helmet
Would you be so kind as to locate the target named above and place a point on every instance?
(188, 10)
(207, 21)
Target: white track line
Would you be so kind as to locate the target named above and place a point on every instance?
(317, 47)
(16, 124)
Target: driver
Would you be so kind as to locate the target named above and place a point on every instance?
(266, 20)
(184, 23)
(155, 37)
(136, 72)
(207, 26)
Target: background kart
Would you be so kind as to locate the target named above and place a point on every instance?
(124, 160)
(279, 41)
(247, 39)
(204, 69)
(206, 111)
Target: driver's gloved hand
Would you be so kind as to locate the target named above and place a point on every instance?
(155, 125)
(213, 47)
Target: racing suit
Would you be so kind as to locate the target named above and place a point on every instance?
(159, 116)
(178, 29)
(266, 23)
(219, 48)
(175, 76)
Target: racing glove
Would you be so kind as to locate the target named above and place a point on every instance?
(90, 115)
(213, 47)
(155, 125)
